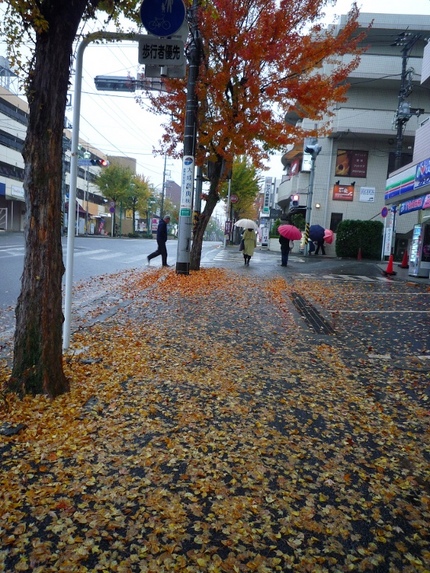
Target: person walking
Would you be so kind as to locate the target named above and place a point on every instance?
(286, 247)
(320, 245)
(161, 242)
(250, 242)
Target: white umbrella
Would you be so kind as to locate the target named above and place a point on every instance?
(246, 224)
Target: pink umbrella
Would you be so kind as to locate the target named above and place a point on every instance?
(328, 236)
(290, 232)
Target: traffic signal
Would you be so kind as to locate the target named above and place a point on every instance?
(313, 150)
(295, 200)
(100, 162)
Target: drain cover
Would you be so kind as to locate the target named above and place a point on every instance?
(313, 318)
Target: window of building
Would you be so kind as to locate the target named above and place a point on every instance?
(335, 219)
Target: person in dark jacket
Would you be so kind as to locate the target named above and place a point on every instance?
(286, 246)
(320, 245)
(161, 242)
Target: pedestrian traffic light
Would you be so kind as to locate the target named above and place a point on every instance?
(100, 162)
(295, 200)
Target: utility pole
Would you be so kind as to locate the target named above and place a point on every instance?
(314, 151)
(404, 111)
(188, 161)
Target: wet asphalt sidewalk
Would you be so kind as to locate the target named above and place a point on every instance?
(208, 430)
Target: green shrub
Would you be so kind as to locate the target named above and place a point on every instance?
(274, 229)
(354, 235)
(298, 221)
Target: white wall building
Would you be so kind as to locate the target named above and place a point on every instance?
(359, 154)
(13, 128)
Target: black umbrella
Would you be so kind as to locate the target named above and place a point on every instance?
(316, 233)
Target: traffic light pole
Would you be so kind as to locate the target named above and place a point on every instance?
(314, 151)
(188, 162)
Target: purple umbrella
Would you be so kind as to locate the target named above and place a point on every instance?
(316, 232)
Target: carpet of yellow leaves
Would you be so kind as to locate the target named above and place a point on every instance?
(204, 433)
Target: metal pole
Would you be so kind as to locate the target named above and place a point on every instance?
(163, 190)
(187, 187)
(309, 205)
(74, 169)
(228, 213)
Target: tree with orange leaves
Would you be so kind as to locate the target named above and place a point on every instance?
(260, 57)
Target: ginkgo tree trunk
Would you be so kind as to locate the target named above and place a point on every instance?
(50, 26)
(260, 57)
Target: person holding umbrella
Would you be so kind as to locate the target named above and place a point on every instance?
(287, 234)
(320, 245)
(316, 235)
(250, 242)
(286, 247)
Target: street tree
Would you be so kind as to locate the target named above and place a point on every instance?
(140, 195)
(259, 58)
(51, 28)
(245, 184)
(119, 184)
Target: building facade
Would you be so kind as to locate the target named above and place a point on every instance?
(365, 143)
(91, 207)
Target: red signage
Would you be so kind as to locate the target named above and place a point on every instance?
(343, 193)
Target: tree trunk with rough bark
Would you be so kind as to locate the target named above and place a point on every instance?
(38, 366)
(211, 203)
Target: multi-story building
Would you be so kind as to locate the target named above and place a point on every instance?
(408, 189)
(91, 206)
(372, 133)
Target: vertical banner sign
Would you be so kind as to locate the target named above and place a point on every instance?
(267, 191)
(187, 186)
(388, 235)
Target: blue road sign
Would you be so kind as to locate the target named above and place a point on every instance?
(162, 17)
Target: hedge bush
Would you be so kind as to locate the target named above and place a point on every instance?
(354, 235)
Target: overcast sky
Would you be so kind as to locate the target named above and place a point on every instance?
(116, 125)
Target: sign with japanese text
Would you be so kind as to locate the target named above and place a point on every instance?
(343, 193)
(351, 163)
(187, 186)
(367, 194)
(161, 51)
(416, 204)
(267, 191)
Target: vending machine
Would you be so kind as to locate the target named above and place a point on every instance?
(419, 260)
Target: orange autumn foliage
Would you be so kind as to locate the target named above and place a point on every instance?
(259, 58)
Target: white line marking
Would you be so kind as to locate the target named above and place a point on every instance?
(87, 253)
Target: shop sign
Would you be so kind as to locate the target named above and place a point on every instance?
(415, 205)
(343, 193)
(367, 194)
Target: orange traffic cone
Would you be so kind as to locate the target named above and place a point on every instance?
(389, 270)
(405, 261)
(359, 255)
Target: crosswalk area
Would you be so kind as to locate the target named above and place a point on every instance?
(91, 254)
(260, 259)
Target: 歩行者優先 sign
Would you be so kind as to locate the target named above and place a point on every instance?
(161, 51)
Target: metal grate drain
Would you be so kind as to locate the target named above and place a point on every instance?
(313, 318)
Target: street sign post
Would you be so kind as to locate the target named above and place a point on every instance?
(161, 51)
